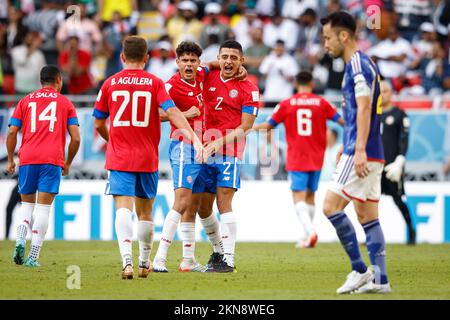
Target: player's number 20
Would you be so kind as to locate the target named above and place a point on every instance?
(304, 123)
(118, 121)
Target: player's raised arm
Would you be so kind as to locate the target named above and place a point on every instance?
(215, 65)
(193, 112)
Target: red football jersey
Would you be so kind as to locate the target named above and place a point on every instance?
(132, 98)
(44, 116)
(185, 96)
(305, 118)
(225, 101)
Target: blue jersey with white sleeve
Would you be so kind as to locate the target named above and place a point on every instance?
(359, 71)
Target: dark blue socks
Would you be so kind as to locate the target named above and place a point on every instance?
(347, 236)
(376, 247)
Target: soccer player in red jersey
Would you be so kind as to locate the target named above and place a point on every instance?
(132, 99)
(304, 116)
(230, 111)
(186, 89)
(44, 116)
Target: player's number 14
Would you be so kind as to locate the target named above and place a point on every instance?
(48, 114)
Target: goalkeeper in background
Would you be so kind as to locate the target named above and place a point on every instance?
(395, 132)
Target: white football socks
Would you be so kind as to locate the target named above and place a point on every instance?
(40, 226)
(25, 215)
(229, 231)
(212, 229)
(168, 233)
(303, 215)
(124, 232)
(312, 211)
(188, 238)
(145, 238)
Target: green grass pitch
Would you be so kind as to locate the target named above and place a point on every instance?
(265, 271)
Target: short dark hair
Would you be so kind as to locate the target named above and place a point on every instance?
(188, 47)
(309, 12)
(304, 77)
(134, 48)
(49, 74)
(280, 42)
(231, 44)
(340, 19)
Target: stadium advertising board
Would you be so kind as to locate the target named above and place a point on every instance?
(264, 210)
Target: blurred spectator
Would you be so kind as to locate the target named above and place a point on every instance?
(12, 34)
(211, 51)
(103, 53)
(232, 7)
(90, 5)
(392, 55)
(411, 14)
(336, 69)
(308, 35)
(266, 7)
(294, 8)
(164, 65)
(3, 10)
(76, 63)
(85, 28)
(243, 28)
(329, 160)
(46, 22)
(433, 69)
(185, 26)
(27, 61)
(441, 19)
(114, 34)
(255, 54)
(108, 8)
(15, 31)
(279, 70)
(423, 45)
(281, 29)
(213, 10)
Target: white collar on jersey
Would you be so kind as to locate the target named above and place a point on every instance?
(190, 84)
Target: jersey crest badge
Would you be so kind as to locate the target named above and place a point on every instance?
(233, 93)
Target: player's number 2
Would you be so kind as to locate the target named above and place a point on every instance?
(304, 123)
(218, 107)
(48, 114)
(118, 121)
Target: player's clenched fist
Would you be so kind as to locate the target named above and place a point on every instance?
(11, 167)
(210, 148)
(193, 112)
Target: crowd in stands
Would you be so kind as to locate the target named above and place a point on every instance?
(408, 39)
